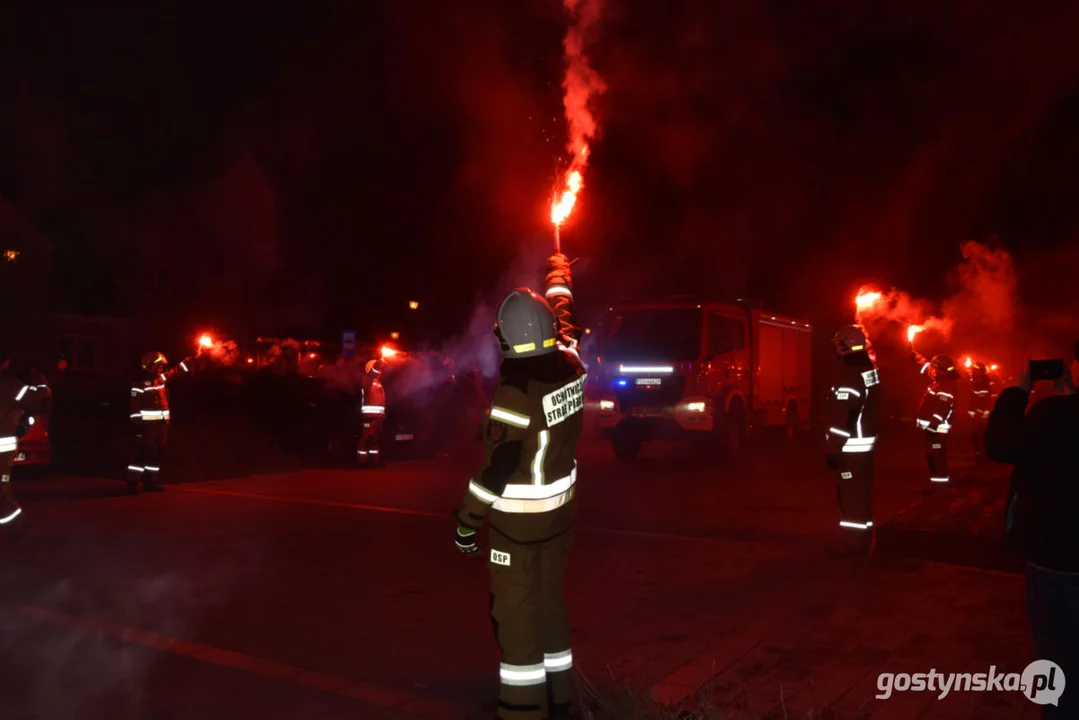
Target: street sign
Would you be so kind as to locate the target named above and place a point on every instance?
(348, 343)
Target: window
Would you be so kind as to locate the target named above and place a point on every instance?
(667, 334)
(725, 334)
(80, 353)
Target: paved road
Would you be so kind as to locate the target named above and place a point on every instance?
(338, 593)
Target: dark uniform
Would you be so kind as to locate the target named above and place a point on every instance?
(372, 416)
(935, 413)
(151, 417)
(18, 402)
(851, 445)
(981, 404)
(526, 486)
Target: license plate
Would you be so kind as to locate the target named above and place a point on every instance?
(648, 382)
(20, 457)
(648, 411)
(402, 437)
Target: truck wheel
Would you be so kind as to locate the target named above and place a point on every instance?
(792, 429)
(732, 432)
(626, 442)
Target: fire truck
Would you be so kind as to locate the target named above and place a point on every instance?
(706, 371)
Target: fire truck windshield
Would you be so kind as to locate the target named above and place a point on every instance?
(670, 334)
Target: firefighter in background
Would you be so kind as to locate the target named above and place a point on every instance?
(851, 438)
(18, 402)
(935, 411)
(372, 415)
(526, 484)
(981, 404)
(151, 416)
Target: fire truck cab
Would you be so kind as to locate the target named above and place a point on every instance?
(708, 371)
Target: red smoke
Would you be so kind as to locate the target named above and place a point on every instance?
(581, 84)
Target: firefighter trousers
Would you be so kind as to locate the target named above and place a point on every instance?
(148, 454)
(854, 490)
(936, 455)
(530, 623)
(368, 448)
(9, 508)
(977, 439)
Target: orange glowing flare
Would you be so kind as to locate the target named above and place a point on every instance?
(250, 361)
(913, 330)
(388, 352)
(968, 362)
(413, 305)
(993, 367)
(563, 203)
(312, 355)
(206, 341)
(867, 299)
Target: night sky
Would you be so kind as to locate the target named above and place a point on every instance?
(300, 168)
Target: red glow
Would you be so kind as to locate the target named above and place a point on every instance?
(388, 352)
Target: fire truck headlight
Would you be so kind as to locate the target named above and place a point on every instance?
(698, 407)
(606, 404)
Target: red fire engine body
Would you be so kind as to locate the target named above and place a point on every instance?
(710, 371)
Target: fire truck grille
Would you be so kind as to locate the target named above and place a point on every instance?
(668, 393)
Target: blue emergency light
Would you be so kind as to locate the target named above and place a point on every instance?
(621, 382)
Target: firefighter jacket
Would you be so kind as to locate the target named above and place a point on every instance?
(852, 410)
(16, 400)
(938, 402)
(150, 398)
(374, 398)
(981, 398)
(529, 472)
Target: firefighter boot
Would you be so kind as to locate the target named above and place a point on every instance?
(135, 475)
(149, 480)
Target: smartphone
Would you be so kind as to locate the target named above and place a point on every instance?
(1046, 369)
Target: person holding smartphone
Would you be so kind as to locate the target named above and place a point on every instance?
(1042, 523)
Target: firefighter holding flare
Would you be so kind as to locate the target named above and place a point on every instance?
(526, 486)
(936, 408)
(151, 416)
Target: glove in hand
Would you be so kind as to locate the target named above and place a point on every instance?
(558, 271)
(466, 541)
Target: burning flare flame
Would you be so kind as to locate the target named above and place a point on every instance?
(968, 362)
(206, 341)
(388, 352)
(913, 330)
(867, 299)
(563, 204)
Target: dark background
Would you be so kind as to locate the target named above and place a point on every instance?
(301, 168)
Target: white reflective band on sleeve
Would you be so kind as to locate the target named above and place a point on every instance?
(852, 391)
(539, 492)
(19, 395)
(855, 525)
(156, 387)
(510, 418)
(136, 415)
(373, 409)
(837, 431)
(12, 516)
(938, 417)
(481, 492)
(981, 392)
(558, 290)
(938, 479)
(8, 444)
(846, 475)
(947, 395)
(151, 468)
(537, 461)
(559, 661)
(153, 415)
(520, 507)
(136, 391)
(925, 367)
(522, 675)
(183, 366)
